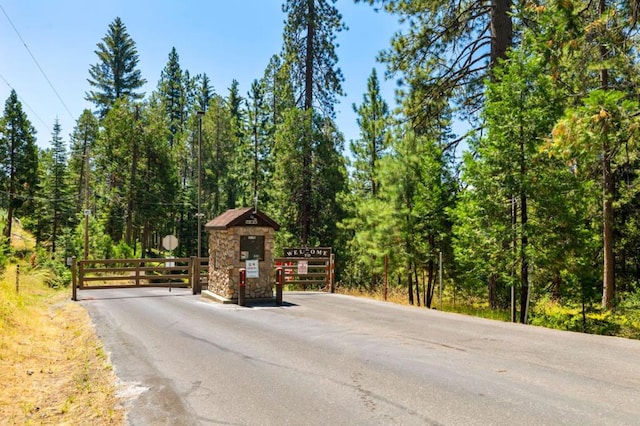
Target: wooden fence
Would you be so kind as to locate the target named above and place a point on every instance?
(308, 272)
(128, 273)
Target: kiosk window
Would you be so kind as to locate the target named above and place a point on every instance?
(251, 247)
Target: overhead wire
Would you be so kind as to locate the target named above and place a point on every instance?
(24, 43)
(25, 103)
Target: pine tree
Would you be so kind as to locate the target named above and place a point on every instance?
(18, 159)
(116, 162)
(204, 92)
(278, 90)
(260, 141)
(374, 122)
(61, 209)
(116, 74)
(238, 176)
(172, 94)
(83, 139)
(447, 51)
(310, 53)
(368, 152)
(217, 152)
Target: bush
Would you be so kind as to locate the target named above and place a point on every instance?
(594, 320)
(55, 272)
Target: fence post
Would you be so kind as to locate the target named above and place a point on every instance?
(242, 287)
(332, 277)
(81, 274)
(74, 295)
(138, 265)
(17, 278)
(194, 274)
(279, 285)
(386, 276)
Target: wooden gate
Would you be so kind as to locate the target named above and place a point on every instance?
(130, 273)
(308, 272)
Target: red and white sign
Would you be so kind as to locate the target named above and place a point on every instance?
(303, 267)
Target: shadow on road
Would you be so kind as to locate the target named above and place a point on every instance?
(88, 298)
(267, 304)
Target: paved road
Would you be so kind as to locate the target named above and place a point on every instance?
(336, 360)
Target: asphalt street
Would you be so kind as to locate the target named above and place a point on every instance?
(328, 359)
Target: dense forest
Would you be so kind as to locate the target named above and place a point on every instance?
(536, 203)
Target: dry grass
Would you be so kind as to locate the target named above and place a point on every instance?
(394, 295)
(53, 368)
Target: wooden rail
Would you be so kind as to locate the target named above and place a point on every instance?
(150, 272)
(313, 272)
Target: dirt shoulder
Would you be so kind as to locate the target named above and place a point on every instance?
(53, 368)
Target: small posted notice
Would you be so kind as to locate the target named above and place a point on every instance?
(303, 267)
(253, 268)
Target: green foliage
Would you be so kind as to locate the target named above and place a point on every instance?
(115, 75)
(444, 52)
(310, 52)
(18, 161)
(592, 319)
(173, 96)
(56, 210)
(374, 121)
(123, 251)
(326, 177)
(58, 276)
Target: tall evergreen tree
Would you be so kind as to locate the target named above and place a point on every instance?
(368, 151)
(374, 122)
(59, 193)
(204, 92)
(116, 157)
(217, 151)
(239, 177)
(260, 141)
(18, 158)
(310, 52)
(83, 139)
(172, 94)
(116, 74)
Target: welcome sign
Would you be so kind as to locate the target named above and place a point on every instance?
(324, 252)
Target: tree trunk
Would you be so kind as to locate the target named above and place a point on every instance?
(305, 201)
(82, 171)
(524, 262)
(132, 191)
(493, 291)
(10, 208)
(557, 282)
(430, 283)
(417, 281)
(608, 190)
(410, 282)
(501, 30)
(524, 238)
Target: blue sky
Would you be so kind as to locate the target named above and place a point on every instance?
(223, 38)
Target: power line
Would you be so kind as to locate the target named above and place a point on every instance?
(37, 63)
(26, 104)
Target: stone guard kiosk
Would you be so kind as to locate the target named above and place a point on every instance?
(236, 236)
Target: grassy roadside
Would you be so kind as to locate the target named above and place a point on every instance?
(53, 368)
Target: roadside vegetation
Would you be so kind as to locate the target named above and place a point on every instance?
(624, 321)
(53, 368)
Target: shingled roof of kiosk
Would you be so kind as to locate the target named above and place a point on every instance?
(246, 216)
